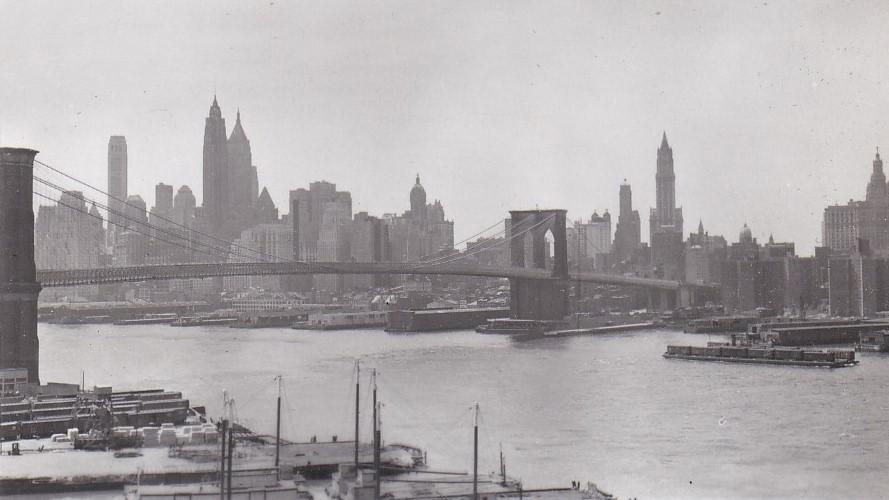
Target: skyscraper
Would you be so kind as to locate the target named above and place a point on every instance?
(117, 183)
(240, 164)
(217, 182)
(666, 217)
(665, 222)
(628, 233)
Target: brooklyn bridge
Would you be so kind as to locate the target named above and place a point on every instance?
(540, 285)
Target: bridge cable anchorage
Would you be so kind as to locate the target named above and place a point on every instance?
(193, 230)
(455, 258)
(223, 252)
(86, 212)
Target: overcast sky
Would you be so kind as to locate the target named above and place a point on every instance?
(773, 109)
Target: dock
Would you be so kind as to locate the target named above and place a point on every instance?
(45, 466)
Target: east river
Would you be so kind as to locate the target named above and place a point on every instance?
(607, 409)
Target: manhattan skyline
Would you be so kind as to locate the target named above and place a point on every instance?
(761, 103)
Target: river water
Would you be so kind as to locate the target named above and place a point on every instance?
(607, 409)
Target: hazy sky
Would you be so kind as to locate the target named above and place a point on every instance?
(773, 109)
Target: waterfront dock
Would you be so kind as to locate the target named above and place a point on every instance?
(44, 466)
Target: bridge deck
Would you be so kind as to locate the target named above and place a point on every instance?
(60, 278)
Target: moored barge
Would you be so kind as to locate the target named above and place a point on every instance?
(763, 355)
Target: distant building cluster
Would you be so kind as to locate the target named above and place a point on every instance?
(239, 222)
(236, 222)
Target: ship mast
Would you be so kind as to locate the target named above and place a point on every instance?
(357, 403)
(278, 433)
(475, 454)
(376, 437)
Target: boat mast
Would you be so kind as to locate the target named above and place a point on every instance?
(357, 403)
(222, 462)
(376, 436)
(231, 453)
(502, 467)
(278, 433)
(475, 455)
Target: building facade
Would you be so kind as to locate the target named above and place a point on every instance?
(628, 232)
(844, 225)
(117, 183)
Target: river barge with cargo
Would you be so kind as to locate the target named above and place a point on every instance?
(763, 355)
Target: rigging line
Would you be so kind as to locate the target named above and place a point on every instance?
(108, 209)
(130, 205)
(121, 226)
(127, 217)
(77, 209)
(493, 244)
(464, 240)
(134, 220)
(490, 238)
(490, 244)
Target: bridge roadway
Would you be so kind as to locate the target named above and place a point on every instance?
(74, 277)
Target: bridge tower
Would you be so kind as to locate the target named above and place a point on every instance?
(18, 277)
(542, 299)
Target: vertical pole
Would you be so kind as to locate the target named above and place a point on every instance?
(475, 455)
(357, 403)
(231, 453)
(222, 461)
(376, 436)
(502, 466)
(278, 435)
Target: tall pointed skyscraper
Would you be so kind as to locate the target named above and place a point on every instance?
(665, 222)
(667, 217)
(117, 184)
(217, 184)
(240, 165)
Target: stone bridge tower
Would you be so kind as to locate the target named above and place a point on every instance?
(18, 277)
(543, 299)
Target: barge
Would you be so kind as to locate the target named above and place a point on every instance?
(763, 355)
(509, 326)
(430, 320)
(342, 321)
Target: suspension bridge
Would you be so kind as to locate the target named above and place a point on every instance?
(539, 284)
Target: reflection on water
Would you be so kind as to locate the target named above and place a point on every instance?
(608, 409)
